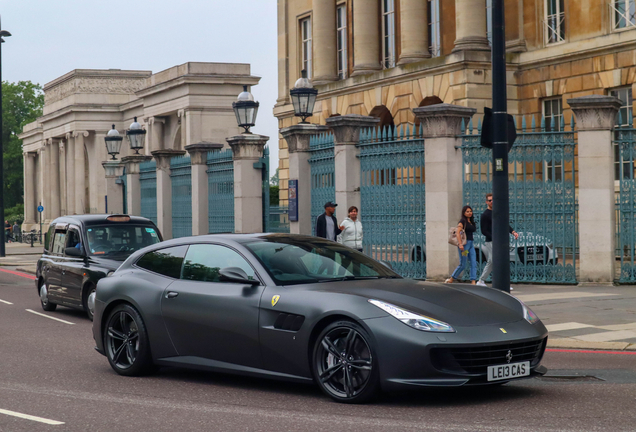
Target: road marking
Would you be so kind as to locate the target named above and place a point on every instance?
(4, 301)
(49, 317)
(631, 326)
(30, 417)
(607, 336)
(589, 351)
(559, 296)
(567, 326)
(24, 275)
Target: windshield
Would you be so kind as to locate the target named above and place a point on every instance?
(291, 261)
(119, 241)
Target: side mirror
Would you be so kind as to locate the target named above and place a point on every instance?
(74, 252)
(236, 274)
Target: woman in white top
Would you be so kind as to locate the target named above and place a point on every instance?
(351, 235)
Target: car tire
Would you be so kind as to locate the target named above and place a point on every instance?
(88, 301)
(126, 342)
(47, 305)
(345, 365)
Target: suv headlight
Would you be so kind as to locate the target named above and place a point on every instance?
(418, 322)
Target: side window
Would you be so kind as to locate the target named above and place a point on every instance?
(166, 262)
(59, 242)
(203, 262)
(73, 238)
(48, 237)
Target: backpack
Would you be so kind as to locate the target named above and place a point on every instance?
(452, 236)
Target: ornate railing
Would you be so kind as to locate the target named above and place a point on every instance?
(625, 140)
(220, 191)
(181, 179)
(322, 165)
(148, 186)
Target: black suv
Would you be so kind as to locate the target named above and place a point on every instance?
(79, 250)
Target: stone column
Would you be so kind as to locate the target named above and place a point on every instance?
(441, 125)
(297, 138)
(198, 161)
(366, 37)
(41, 180)
(595, 119)
(80, 174)
(63, 179)
(70, 174)
(133, 186)
(54, 169)
(156, 133)
(181, 114)
(346, 131)
(247, 149)
(115, 192)
(30, 201)
(324, 41)
(164, 190)
(413, 34)
(471, 26)
(46, 183)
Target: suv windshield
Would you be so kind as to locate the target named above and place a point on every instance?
(290, 261)
(119, 240)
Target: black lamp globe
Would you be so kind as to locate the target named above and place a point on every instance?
(245, 109)
(113, 142)
(303, 97)
(136, 136)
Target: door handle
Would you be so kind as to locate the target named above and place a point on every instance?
(171, 294)
(63, 272)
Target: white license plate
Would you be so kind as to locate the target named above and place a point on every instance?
(508, 371)
(537, 257)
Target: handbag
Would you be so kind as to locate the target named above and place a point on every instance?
(452, 236)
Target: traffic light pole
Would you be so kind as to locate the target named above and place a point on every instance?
(501, 206)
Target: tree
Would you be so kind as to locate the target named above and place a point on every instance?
(22, 103)
(273, 180)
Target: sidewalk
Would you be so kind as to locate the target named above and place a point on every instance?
(22, 256)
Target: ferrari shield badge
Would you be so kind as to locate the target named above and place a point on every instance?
(275, 300)
(503, 330)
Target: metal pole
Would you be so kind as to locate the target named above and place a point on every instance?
(501, 205)
(2, 238)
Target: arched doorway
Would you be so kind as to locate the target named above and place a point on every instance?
(383, 113)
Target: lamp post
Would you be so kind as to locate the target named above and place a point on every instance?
(245, 109)
(3, 33)
(303, 97)
(113, 142)
(136, 136)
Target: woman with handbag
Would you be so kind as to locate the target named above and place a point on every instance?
(467, 227)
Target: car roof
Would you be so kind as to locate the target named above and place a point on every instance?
(238, 238)
(99, 219)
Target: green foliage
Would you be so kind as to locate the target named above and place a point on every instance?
(273, 180)
(22, 103)
(273, 195)
(15, 213)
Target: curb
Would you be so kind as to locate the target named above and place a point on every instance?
(26, 270)
(577, 344)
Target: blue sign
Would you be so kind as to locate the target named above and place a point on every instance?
(40, 209)
(292, 186)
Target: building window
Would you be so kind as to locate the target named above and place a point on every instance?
(305, 35)
(554, 21)
(623, 13)
(434, 34)
(624, 119)
(388, 33)
(489, 21)
(341, 22)
(553, 114)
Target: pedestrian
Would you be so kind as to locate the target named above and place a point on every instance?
(7, 231)
(467, 251)
(327, 224)
(16, 231)
(351, 228)
(485, 223)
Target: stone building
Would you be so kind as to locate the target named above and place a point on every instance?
(382, 58)
(64, 149)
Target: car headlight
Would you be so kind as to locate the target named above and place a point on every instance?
(418, 322)
(530, 316)
(110, 273)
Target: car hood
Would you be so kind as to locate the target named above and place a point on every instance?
(454, 305)
(108, 263)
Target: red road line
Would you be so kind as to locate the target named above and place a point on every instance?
(590, 351)
(24, 275)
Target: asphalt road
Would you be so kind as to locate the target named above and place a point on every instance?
(50, 370)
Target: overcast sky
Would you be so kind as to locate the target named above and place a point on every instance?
(52, 37)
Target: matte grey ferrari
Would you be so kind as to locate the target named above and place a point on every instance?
(306, 309)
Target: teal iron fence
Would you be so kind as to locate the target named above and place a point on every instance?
(543, 207)
(322, 165)
(181, 180)
(264, 166)
(625, 151)
(148, 186)
(220, 191)
(278, 220)
(124, 184)
(393, 196)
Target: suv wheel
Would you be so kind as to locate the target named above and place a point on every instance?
(44, 298)
(89, 301)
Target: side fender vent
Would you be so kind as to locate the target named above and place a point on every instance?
(289, 322)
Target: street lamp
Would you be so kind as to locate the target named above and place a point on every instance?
(245, 109)
(3, 33)
(303, 97)
(136, 136)
(113, 142)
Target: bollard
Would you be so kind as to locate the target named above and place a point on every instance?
(31, 241)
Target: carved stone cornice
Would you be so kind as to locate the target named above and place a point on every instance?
(297, 136)
(93, 85)
(346, 128)
(132, 162)
(78, 133)
(199, 151)
(595, 112)
(247, 146)
(163, 157)
(443, 120)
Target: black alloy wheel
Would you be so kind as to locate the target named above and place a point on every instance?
(126, 342)
(344, 364)
(89, 301)
(44, 298)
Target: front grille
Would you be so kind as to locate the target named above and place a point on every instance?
(531, 252)
(475, 360)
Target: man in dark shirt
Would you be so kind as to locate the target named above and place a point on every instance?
(485, 223)
(327, 224)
